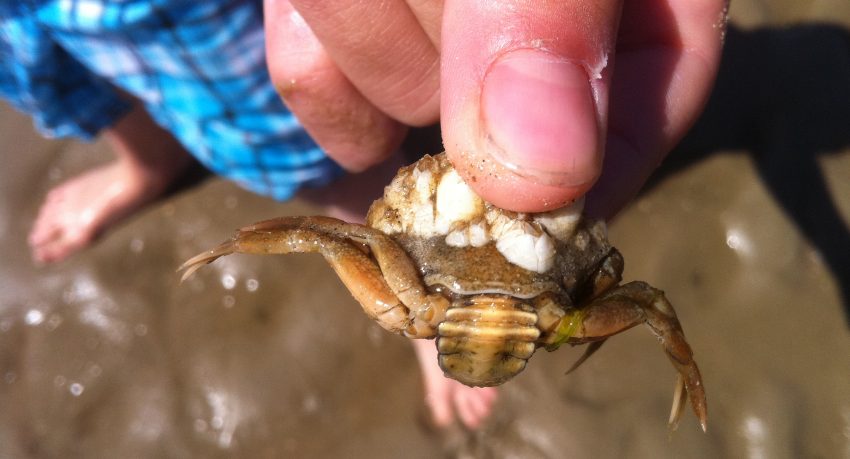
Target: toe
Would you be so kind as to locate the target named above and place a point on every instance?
(474, 405)
(466, 409)
(441, 408)
(44, 227)
(47, 251)
(60, 243)
(42, 232)
(46, 230)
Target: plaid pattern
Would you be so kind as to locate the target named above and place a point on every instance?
(198, 66)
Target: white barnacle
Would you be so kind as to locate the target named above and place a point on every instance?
(478, 235)
(523, 243)
(432, 199)
(581, 241)
(458, 238)
(561, 223)
(423, 208)
(472, 234)
(455, 202)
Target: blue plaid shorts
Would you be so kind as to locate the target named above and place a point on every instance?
(198, 67)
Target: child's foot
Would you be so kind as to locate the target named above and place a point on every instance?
(78, 210)
(447, 398)
(148, 160)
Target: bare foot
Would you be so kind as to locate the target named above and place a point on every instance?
(75, 212)
(447, 398)
(148, 160)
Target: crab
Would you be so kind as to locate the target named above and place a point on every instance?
(490, 285)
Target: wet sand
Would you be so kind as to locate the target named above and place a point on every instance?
(745, 227)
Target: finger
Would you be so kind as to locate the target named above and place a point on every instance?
(351, 130)
(383, 51)
(524, 96)
(663, 78)
(430, 16)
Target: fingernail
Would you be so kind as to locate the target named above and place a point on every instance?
(540, 117)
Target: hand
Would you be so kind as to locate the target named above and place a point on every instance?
(529, 94)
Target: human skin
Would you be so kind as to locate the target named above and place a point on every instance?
(74, 213)
(539, 102)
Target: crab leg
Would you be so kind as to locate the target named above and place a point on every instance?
(385, 290)
(624, 307)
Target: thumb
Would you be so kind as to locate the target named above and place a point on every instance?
(524, 88)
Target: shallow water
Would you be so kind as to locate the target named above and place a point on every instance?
(107, 355)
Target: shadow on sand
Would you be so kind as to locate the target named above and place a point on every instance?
(783, 95)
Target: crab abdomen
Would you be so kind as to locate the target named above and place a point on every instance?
(486, 339)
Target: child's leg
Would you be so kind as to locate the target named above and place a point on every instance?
(147, 161)
(236, 125)
(446, 397)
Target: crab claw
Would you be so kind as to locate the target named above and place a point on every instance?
(398, 301)
(198, 261)
(590, 350)
(623, 307)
